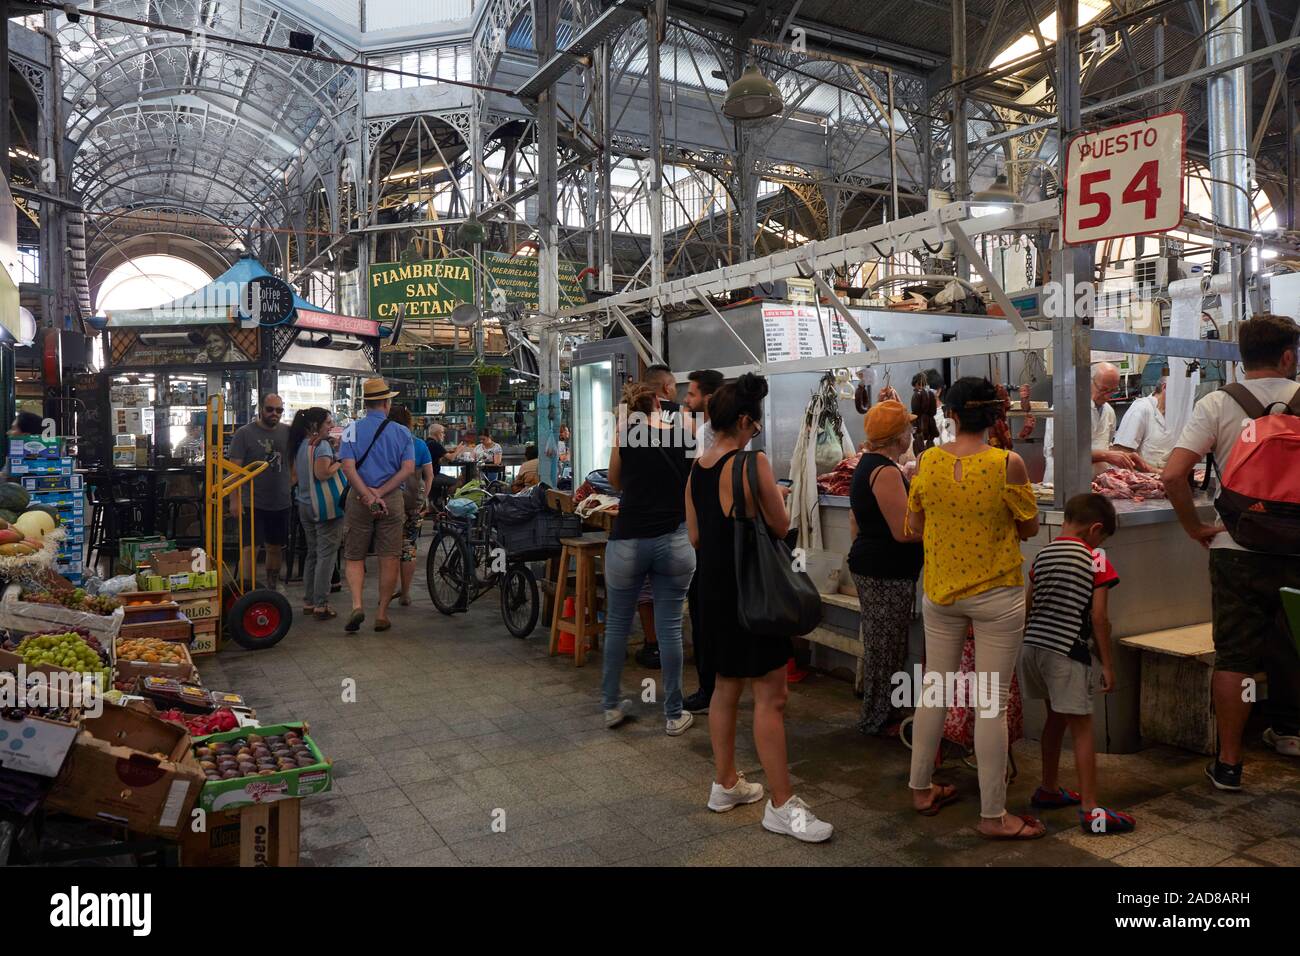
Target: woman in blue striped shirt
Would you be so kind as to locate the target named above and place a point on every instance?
(318, 483)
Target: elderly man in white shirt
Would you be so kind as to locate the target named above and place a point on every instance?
(1105, 383)
(1144, 431)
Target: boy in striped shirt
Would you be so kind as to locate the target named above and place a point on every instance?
(1066, 616)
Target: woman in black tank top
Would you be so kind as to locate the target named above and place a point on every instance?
(884, 561)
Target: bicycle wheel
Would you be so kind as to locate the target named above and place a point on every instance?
(445, 573)
(519, 605)
(486, 555)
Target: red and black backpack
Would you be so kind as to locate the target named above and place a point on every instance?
(1259, 498)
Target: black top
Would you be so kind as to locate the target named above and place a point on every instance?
(654, 490)
(437, 450)
(875, 553)
(732, 652)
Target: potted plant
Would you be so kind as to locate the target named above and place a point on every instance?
(489, 378)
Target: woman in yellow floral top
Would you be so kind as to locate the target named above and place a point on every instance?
(973, 505)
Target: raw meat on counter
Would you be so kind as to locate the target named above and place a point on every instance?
(1129, 484)
(838, 480)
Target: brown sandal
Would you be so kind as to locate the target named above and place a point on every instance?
(325, 612)
(1026, 822)
(383, 624)
(947, 794)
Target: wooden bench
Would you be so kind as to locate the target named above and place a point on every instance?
(850, 644)
(1175, 704)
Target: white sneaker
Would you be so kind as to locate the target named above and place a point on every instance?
(721, 799)
(678, 727)
(796, 820)
(618, 714)
(1283, 744)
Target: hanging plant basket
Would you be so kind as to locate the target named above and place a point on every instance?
(489, 378)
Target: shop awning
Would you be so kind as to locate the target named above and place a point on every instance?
(220, 302)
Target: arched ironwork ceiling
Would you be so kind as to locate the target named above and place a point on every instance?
(157, 117)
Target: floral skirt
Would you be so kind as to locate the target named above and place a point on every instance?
(411, 534)
(886, 618)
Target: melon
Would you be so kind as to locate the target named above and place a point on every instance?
(13, 497)
(34, 524)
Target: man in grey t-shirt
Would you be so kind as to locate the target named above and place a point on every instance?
(265, 439)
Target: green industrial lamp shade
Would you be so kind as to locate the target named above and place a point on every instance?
(998, 193)
(472, 232)
(753, 96)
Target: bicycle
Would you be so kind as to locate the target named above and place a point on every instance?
(464, 563)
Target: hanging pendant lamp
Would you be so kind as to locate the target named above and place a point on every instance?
(998, 193)
(753, 96)
(472, 232)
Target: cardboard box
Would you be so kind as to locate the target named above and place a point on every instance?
(166, 563)
(188, 581)
(135, 552)
(24, 617)
(39, 483)
(282, 785)
(114, 773)
(41, 466)
(129, 670)
(36, 745)
(34, 446)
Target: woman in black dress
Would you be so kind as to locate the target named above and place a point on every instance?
(734, 413)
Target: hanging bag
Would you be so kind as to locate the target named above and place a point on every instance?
(773, 599)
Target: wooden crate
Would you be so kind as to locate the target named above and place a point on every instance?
(207, 638)
(265, 834)
(199, 605)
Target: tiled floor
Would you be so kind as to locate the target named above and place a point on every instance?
(456, 725)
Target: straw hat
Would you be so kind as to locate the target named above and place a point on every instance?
(376, 390)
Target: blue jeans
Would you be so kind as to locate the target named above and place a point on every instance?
(670, 560)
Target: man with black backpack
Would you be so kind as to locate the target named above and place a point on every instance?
(1251, 430)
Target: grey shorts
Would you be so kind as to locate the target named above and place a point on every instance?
(1064, 683)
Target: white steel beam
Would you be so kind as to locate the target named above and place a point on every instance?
(967, 249)
(825, 289)
(927, 228)
(956, 348)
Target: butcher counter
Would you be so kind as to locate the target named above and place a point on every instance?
(1164, 583)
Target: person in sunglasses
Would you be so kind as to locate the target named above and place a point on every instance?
(266, 438)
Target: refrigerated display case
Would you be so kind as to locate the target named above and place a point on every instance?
(599, 371)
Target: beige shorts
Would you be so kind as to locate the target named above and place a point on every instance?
(1066, 684)
(359, 521)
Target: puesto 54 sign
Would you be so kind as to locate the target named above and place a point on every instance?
(1126, 180)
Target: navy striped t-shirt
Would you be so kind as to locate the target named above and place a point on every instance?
(1064, 576)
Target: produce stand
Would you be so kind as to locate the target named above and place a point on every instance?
(124, 769)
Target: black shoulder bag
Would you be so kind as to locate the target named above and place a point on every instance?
(343, 497)
(773, 599)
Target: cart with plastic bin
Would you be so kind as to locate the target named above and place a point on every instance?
(254, 617)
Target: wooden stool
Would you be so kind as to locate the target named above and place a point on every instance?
(584, 551)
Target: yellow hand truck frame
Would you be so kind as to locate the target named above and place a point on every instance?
(254, 617)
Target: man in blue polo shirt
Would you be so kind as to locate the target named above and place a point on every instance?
(377, 455)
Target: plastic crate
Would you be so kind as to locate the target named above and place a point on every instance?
(539, 538)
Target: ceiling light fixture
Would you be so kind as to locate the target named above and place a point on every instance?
(753, 96)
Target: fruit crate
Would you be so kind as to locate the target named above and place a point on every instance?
(149, 613)
(24, 617)
(128, 670)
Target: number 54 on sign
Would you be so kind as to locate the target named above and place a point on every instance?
(1126, 180)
